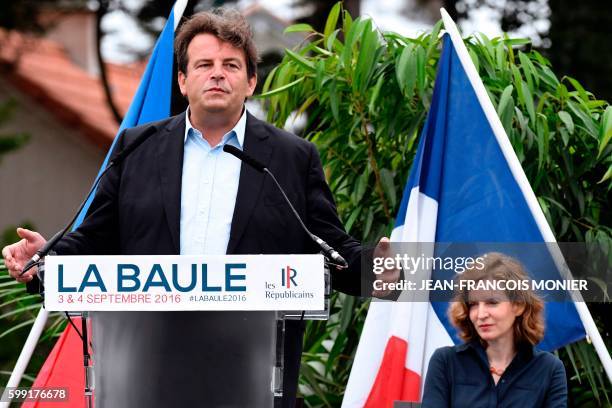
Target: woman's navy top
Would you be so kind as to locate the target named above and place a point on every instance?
(459, 377)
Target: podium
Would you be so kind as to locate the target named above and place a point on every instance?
(228, 341)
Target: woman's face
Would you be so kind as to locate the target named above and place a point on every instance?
(492, 314)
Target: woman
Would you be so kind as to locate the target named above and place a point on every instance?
(497, 366)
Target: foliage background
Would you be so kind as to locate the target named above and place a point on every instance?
(366, 94)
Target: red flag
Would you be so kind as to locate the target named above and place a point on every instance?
(63, 369)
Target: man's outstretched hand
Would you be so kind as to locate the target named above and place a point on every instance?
(18, 254)
(383, 250)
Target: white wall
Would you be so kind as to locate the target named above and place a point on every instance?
(44, 181)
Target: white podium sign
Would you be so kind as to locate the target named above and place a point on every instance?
(172, 282)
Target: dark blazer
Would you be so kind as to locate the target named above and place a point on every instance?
(136, 210)
(459, 377)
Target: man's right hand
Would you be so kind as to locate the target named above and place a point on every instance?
(18, 254)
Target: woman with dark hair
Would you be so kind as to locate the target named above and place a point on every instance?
(498, 365)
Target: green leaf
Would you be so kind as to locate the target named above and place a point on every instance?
(386, 177)
(474, 58)
(549, 77)
(528, 102)
(347, 21)
(320, 74)
(509, 49)
(9, 283)
(353, 217)
(606, 130)
(365, 60)
(606, 176)
(542, 138)
(515, 42)
(583, 94)
(18, 299)
(420, 69)
(489, 50)
(335, 353)
(376, 92)
(20, 310)
(504, 99)
(331, 40)
(306, 104)
(323, 51)
(567, 121)
(545, 208)
(269, 79)
(518, 84)
(368, 224)
(564, 136)
(300, 60)
(433, 40)
(572, 359)
(500, 55)
(333, 99)
(529, 71)
(348, 305)
(16, 327)
(505, 108)
(602, 285)
(406, 70)
(24, 376)
(361, 186)
(332, 20)
(281, 89)
(586, 119)
(299, 28)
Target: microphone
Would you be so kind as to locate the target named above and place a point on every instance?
(327, 250)
(236, 152)
(118, 158)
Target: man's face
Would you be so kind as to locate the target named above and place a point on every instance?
(216, 80)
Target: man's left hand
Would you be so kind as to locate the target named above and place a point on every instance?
(383, 250)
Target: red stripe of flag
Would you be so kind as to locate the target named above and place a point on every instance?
(394, 382)
(63, 369)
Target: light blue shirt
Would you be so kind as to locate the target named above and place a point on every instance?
(209, 189)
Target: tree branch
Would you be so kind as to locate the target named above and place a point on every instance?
(102, 9)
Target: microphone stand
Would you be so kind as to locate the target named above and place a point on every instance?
(331, 255)
(87, 361)
(89, 375)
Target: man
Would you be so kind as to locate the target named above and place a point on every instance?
(179, 193)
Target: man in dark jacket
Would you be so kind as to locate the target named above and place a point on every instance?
(180, 193)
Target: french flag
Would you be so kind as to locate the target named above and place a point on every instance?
(466, 185)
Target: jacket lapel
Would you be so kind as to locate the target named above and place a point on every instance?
(257, 145)
(170, 149)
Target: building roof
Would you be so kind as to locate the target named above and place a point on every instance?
(42, 69)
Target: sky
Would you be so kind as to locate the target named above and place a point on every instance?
(387, 15)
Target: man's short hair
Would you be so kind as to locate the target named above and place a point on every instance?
(227, 24)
